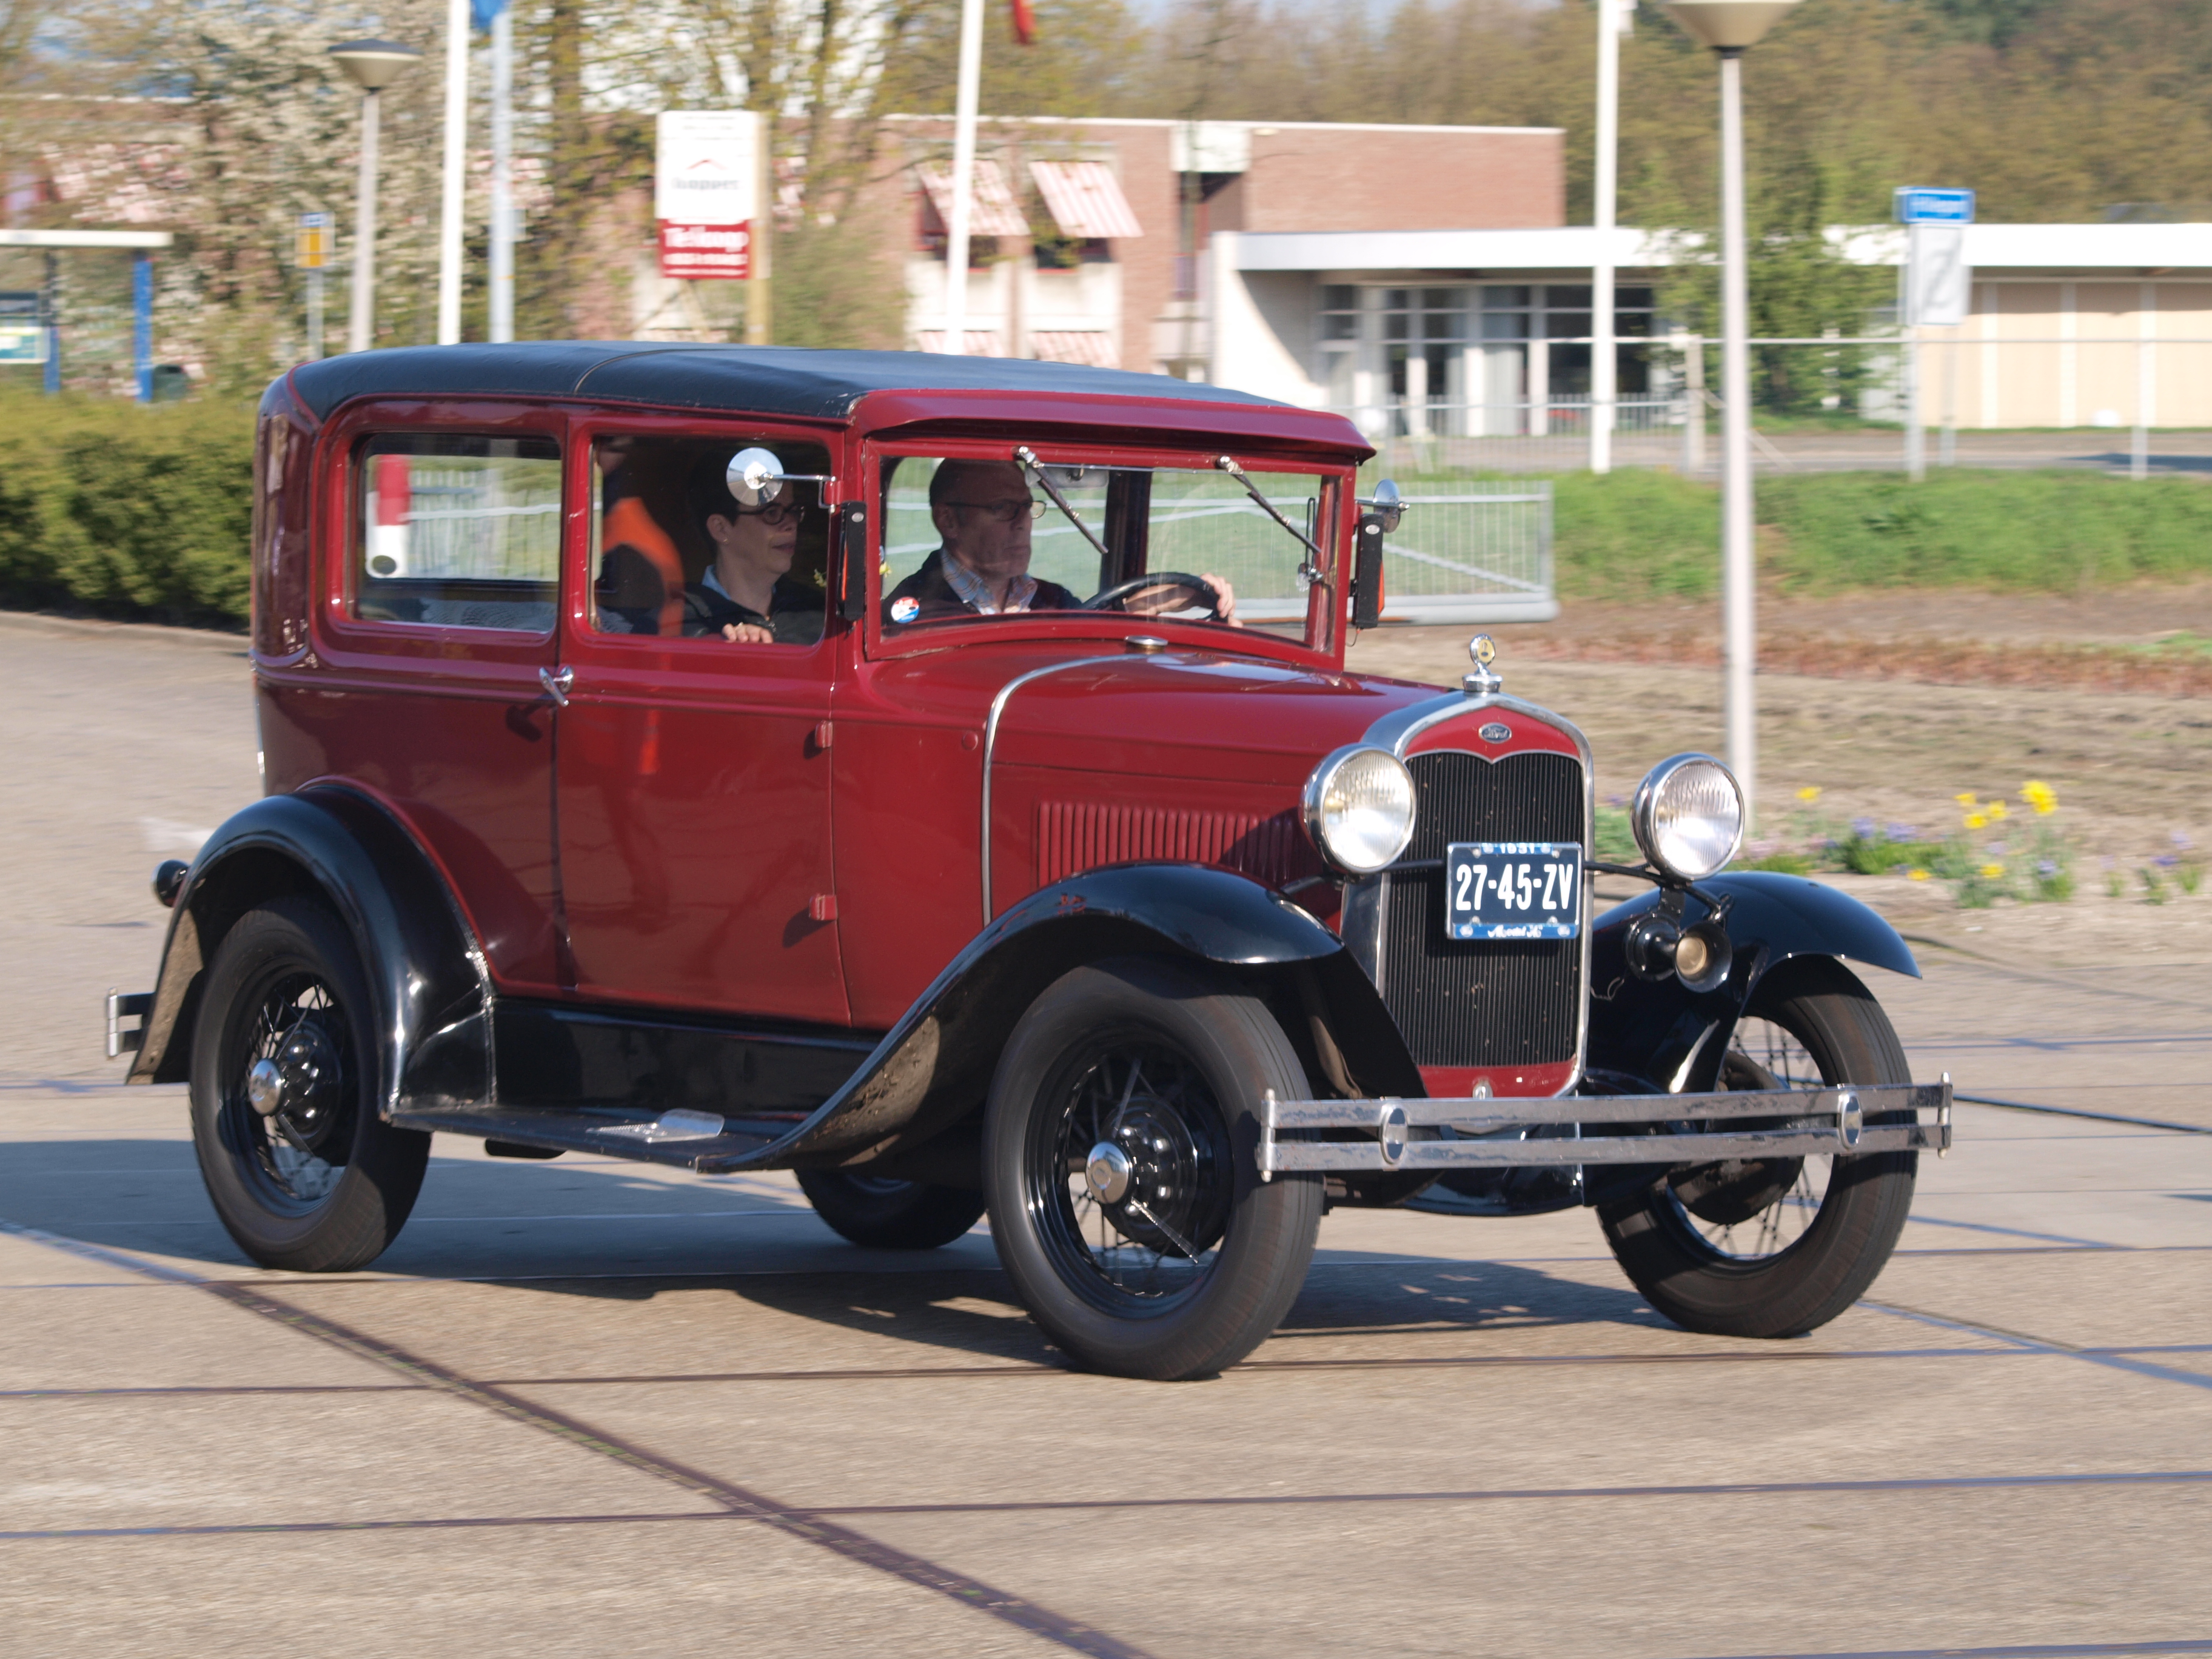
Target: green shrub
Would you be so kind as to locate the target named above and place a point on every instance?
(120, 510)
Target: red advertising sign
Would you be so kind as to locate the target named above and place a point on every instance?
(705, 251)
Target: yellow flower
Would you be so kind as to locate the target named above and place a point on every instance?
(1966, 800)
(1992, 870)
(1809, 794)
(2040, 795)
(1976, 821)
(1997, 809)
(1916, 875)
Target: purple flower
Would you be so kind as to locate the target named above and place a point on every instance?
(1616, 800)
(1863, 828)
(2046, 869)
(2181, 840)
(2166, 860)
(1902, 832)
(1996, 849)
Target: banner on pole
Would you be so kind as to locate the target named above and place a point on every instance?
(1938, 282)
(707, 166)
(314, 241)
(693, 252)
(705, 185)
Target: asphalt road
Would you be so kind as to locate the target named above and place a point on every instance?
(585, 1407)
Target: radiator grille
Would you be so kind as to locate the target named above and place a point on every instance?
(1076, 835)
(1495, 1003)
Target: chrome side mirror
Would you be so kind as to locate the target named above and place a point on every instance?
(1388, 505)
(755, 477)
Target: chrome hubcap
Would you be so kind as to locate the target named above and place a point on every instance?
(265, 1087)
(1106, 1172)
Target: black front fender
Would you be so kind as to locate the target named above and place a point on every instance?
(935, 1067)
(426, 974)
(1666, 1038)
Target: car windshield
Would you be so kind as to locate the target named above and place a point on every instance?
(1201, 542)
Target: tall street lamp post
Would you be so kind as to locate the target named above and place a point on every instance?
(1731, 27)
(371, 65)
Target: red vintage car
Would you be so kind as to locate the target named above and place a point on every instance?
(940, 778)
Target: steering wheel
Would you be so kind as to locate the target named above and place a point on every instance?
(1117, 597)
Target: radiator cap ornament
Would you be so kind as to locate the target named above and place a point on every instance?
(1483, 682)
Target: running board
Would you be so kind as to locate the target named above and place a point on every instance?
(1659, 1129)
(683, 1139)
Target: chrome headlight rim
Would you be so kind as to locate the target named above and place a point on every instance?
(1646, 803)
(1312, 799)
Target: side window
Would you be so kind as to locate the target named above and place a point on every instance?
(458, 531)
(675, 553)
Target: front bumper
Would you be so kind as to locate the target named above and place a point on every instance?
(1659, 1129)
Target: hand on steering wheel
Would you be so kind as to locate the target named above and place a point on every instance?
(1164, 583)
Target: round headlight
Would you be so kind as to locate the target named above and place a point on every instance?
(1688, 817)
(1359, 808)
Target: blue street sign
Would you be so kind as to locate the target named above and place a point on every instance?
(483, 13)
(1919, 206)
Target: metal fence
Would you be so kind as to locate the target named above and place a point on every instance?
(2132, 401)
(1481, 554)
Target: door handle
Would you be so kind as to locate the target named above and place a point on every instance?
(557, 683)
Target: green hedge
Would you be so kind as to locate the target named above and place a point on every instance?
(1645, 534)
(117, 510)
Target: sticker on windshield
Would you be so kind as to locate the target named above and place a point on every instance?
(905, 608)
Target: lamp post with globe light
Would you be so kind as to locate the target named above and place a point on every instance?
(1732, 28)
(372, 65)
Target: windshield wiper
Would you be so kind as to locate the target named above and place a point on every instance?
(1308, 572)
(1029, 464)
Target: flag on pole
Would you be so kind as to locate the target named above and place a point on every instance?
(1025, 22)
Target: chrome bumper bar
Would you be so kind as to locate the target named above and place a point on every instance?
(1671, 1129)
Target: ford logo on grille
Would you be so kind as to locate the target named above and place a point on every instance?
(1495, 732)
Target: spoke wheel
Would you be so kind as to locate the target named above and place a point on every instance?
(1119, 1161)
(303, 1172)
(1133, 1182)
(1777, 1247)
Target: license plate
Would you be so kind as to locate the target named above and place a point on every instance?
(1513, 890)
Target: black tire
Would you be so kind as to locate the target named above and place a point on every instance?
(1676, 1239)
(1197, 1278)
(890, 1215)
(322, 1184)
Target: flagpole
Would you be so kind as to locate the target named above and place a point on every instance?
(963, 177)
(449, 215)
(502, 174)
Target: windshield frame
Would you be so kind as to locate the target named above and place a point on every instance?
(1323, 636)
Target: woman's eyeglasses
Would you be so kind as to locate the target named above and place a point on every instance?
(778, 514)
(1013, 510)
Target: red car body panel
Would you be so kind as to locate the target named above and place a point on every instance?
(798, 835)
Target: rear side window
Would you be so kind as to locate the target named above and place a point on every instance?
(458, 531)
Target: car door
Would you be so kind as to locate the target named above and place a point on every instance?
(439, 547)
(692, 789)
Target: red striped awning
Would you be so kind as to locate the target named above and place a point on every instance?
(992, 213)
(1094, 346)
(1086, 199)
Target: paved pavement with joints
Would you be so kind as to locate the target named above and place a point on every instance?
(586, 1406)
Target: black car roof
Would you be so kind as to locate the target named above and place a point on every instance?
(766, 379)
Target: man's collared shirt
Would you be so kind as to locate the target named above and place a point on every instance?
(974, 590)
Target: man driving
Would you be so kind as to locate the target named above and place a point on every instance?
(983, 512)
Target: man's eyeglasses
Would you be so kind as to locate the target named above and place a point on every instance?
(778, 514)
(1013, 510)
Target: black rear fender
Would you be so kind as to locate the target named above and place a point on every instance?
(425, 971)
